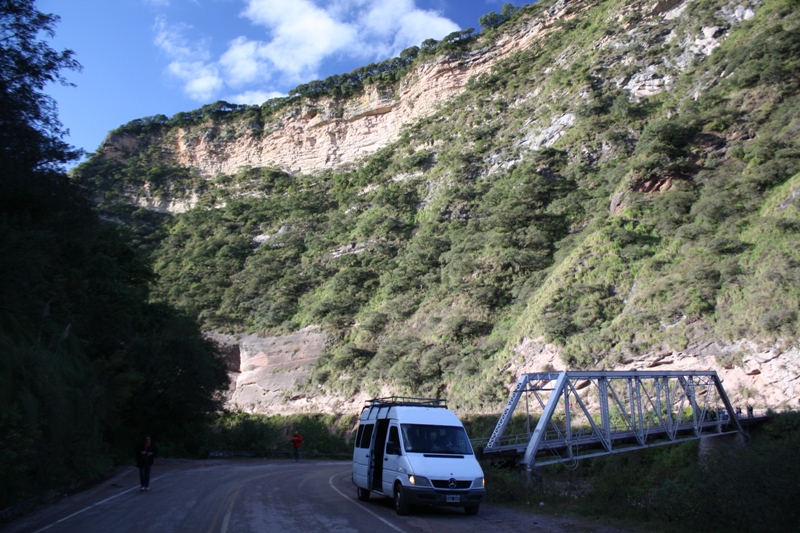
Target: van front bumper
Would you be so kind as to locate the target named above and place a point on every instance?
(432, 496)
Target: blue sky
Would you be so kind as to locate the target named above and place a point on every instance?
(146, 57)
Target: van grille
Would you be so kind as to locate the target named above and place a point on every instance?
(445, 484)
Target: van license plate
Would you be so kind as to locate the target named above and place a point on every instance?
(453, 499)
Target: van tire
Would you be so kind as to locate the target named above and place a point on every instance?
(472, 509)
(400, 503)
(363, 494)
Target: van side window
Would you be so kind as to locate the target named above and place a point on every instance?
(393, 444)
(365, 432)
(358, 435)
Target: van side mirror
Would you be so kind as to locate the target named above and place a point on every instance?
(392, 448)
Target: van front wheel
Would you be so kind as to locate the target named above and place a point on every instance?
(363, 494)
(400, 503)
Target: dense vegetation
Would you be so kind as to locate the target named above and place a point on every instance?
(635, 225)
(324, 435)
(732, 487)
(640, 224)
(87, 362)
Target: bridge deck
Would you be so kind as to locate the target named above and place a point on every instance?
(585, 414)
(584, 446)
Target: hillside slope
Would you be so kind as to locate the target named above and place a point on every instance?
(588, 185)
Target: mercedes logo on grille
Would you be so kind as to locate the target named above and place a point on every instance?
(452, 483)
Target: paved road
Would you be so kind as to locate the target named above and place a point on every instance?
(240, 496)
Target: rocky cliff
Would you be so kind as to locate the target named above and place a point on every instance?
(596, 95)
(329, 133)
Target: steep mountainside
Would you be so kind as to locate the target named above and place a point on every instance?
(587, 185)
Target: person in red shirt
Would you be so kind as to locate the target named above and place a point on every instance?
(297, 442)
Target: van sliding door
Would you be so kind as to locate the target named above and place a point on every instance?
(376, 459)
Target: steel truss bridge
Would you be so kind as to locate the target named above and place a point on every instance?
(588, 414)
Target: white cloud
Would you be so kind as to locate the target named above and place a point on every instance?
(297, 38)
(417, 25)
(389, 26)
(190, 62)
(202, 82)
(244, 62)
(253, 97)
(171, 41)
(301, 35)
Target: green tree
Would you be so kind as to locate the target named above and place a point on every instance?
(30, 133)
(80, 347)
(492, 20)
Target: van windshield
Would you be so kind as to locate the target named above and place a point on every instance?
(419, 438)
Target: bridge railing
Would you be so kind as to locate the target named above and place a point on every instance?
(577, 413)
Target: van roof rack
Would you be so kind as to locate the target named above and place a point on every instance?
(393, 401)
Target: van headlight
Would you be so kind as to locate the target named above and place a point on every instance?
(479, 483)
(419, 481)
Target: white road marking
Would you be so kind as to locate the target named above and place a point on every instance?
(93, 505)
(351, 500)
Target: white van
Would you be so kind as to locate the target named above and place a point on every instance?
(416, 451)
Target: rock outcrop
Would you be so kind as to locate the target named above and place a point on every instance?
(271, 374)
(752, 375)
(270, 368)
(330, 133)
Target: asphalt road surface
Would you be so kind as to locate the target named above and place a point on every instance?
(255, 495)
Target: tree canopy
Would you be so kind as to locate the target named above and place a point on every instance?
(86, 362)
(492, 20)
(30, 132)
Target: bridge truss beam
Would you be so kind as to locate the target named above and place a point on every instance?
(586, 414)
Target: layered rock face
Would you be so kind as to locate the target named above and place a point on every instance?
(269, 368)
(765, 376)
(273, 373)
(269, 374)
(328, 133)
